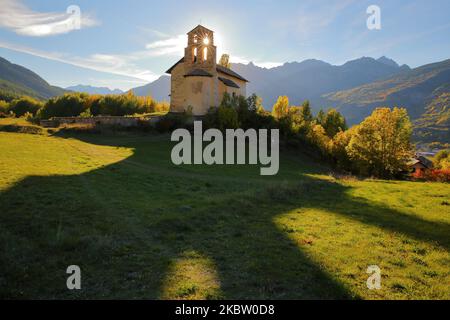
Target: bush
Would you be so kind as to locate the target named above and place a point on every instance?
(22, 129)
(68, 105)
(3, 109)
(24, 105)
(4, 106)
(442, 159)
(436, 175)
(172, 121)
(82, 104)
(227, 118)
(125, 104)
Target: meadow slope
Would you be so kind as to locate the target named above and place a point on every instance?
(140, 227)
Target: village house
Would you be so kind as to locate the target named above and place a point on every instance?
(420, 164)
(197, 81)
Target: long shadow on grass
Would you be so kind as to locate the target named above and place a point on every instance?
(125, 224)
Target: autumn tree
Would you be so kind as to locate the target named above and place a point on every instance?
(281, 107)
(23, 105)
(318, 138)
(381, 143)
(225, 61)
(442, 160)
(338, 149)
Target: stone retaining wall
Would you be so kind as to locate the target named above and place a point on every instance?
(103, 120)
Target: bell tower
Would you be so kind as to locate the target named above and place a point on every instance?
(200, 52)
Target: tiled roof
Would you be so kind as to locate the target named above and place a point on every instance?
(219, 69)
(420, 159)
(198, 73)
(228, 82)
(230, 73)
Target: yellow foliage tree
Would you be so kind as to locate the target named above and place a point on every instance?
(225, 61)
(281, 107)
(381, 143)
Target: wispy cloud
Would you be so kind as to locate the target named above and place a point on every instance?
(128, 64)
(16, 16)
(170, 46)
(122, 65)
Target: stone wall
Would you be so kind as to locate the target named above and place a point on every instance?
(103, 120)
(177, 90)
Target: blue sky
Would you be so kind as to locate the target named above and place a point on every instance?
(123, 44)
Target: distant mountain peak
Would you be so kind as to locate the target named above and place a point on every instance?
(387, 61)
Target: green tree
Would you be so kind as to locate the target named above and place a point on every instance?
(333, 122)
(381, 143)
(306, 113)
(24, 105)
(255, 104)
(320, 118)
(67, 105)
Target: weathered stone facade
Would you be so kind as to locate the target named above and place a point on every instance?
(197, 81)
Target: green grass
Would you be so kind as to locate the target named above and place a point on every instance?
(140, 227)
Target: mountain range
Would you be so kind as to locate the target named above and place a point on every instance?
(94, 90)
(310, 79)
(355, 88)
(158, 89)
(18, 80)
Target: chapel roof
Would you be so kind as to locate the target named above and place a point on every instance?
(198, 73)
(228, 82)
(219, 68)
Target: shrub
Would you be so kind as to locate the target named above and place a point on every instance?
(442, 159)
(436, 175)
(86, 114)
(172, 121)
(3, 109)
(82, 104)
(227, 118)
(125, 104)
(22, 129)
(4, 106)
(23, 105)
(68, 105)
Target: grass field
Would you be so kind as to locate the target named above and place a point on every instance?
(140, 227)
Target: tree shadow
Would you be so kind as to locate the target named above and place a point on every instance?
(124, 224)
